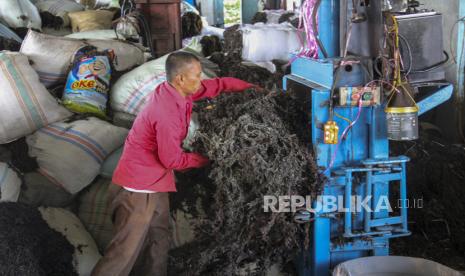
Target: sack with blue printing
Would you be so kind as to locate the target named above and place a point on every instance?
(88, 83)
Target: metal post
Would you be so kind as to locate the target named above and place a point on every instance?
(459, 53)
(328, 27)
(347, 202)
(368, 193)
(403, 197)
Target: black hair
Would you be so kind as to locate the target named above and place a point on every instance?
(176, 61)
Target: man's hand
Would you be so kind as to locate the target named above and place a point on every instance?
(258, 88)
(203, 161)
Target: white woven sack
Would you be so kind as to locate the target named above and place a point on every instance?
(8, 33)
(106, 4)
(24, 102)
(60, 8)
(129, 93)
(10, 184)
(52, 63)
(256, 42)
(20, 14)
(86, 254)
(127, 55)
(72, 153)
(272, 16)
(96, 34)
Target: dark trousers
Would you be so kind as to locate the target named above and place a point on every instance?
(142, 234)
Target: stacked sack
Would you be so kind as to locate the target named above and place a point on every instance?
(256, 41)
(69, 153)
(74, 156)
(53, 64)
(20, 14)
(55, 13)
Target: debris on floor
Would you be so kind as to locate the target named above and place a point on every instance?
(435, 184)
(29, 247)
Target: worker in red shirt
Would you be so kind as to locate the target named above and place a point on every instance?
(145, 172)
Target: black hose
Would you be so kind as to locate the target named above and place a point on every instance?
(147, 34)
(409, 50)
(315, 29)
(434, 66)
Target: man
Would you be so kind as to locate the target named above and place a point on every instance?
(144, 174)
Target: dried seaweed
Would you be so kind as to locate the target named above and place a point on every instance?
(232, 66)
(253, 74)
(29, 247)
(286, 17)
(20, 158)
(50, 20)
(193, 188)
(233, 42)
(9, 44)
(435, 179)
(22, 31)
(250, 139)
(210, 44)
(191, 24)
(259, 17)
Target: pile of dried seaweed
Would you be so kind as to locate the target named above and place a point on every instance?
(255, 151)
(50, 20)
(194, 187)
(435, 178)
(20, 158)
(233, 42)
(253, 74)
(9, 44)
(231, 66)
(29, 247)
(289, 17)
(191, 24)
(210, 44)
(259, 17)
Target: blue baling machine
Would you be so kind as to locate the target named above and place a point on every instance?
(359, 164)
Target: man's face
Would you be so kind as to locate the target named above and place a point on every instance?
(190, 78)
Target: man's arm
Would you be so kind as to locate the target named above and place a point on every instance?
(170, 153)
(213, 87)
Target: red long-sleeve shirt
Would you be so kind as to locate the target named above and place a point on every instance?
(152, 150)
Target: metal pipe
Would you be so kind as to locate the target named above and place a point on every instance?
(403, 197)
(347, 203)
(368, 193)
(328, 27)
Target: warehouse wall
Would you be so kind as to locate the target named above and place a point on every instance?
(249, 8)
(446, 115)
(450, 11)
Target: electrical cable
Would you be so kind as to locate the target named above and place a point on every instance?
(410, 56)
(309, 47)
(349, 127)
(147, 34)
(454, 58)
(434, 66)
(342, 117)
(459, 99)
